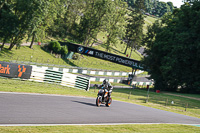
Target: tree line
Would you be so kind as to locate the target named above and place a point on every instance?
(154, 7)
(173, 49)
(81, 20)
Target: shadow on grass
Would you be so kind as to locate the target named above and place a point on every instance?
(112, 49)
(69, 62)
(6, 52)
(65, 60)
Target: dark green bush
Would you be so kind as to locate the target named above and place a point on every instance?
(55, 47)
(64, 50)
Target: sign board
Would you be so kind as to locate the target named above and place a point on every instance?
(13, 70)
(103, 55)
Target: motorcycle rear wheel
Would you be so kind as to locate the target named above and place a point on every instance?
(98, 102)
(108, 103)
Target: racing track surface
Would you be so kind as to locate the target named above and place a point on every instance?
(18, 108)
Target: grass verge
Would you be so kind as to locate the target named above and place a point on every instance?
(156, 128)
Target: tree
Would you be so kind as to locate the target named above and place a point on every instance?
(134, 29)
(23, 11)
(154, 7)
(20, 18)
(43, 18)
(67, 22)
(130, 2)
(129, 36)
(8, 21)
(170, 4)
(75, 10)
(24, 14)
(91, 20)
(173, 60)
(115, 22)
(36, 23)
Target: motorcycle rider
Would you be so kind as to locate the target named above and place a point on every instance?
(107, 86)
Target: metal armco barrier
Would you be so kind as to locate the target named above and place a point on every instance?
(13, 70)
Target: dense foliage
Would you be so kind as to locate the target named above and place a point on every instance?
(173, 49)
(56, 48)
(134, 27)
(80, 21)
(154, 7)
(24, 19)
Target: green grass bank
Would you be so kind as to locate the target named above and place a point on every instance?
(156, 128)
(39, 56)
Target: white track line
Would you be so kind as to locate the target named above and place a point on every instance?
(2, 125)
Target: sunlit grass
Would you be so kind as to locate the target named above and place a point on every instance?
(38, 55)
(150, 128)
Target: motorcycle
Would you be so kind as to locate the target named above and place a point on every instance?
(103, 98)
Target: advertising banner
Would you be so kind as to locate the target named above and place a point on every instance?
(13, 70)
(103, 55)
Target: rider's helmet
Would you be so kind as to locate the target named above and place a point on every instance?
(105, 81)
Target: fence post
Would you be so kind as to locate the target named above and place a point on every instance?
(147, 94)
(129, 95)
(95, 88)
(186, 106)
(166, 102)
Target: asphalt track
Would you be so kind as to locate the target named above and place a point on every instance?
(22, 108)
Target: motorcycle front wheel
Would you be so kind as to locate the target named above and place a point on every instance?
(108, 103)
(98, 101)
